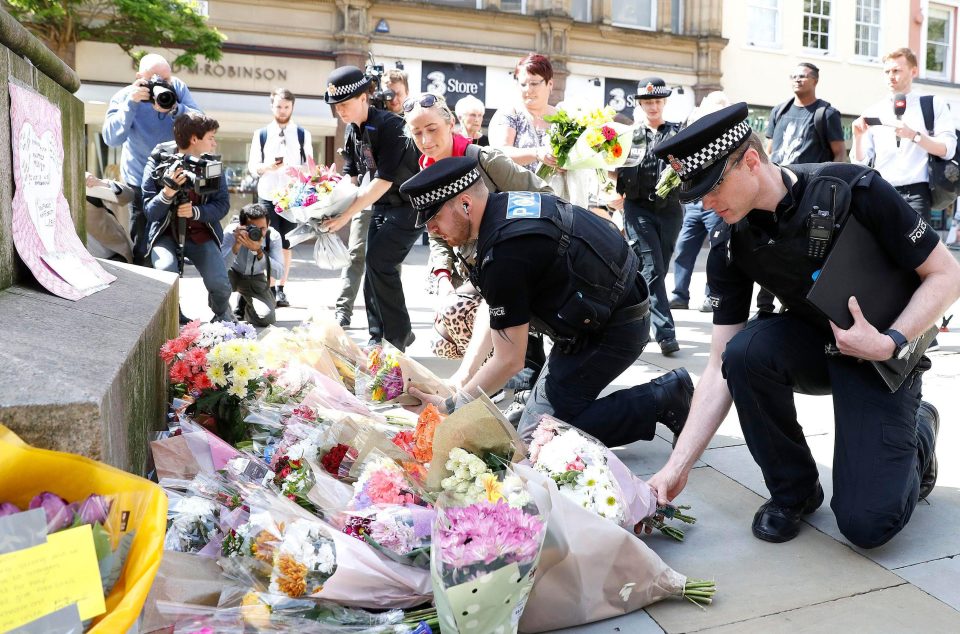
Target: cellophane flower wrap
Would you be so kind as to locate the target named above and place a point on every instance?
(400, 532)
(383, 381)
(186, 354)
(582, 138)
(382, 480)
(588, 473)
(483, 561)
(313, 192)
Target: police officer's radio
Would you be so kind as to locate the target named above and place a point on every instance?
(820, 227)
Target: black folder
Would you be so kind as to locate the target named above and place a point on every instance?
(858, 266)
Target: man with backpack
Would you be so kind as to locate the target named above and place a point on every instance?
(780, 225)
(274, 148)
(893, 135)
(805, 129)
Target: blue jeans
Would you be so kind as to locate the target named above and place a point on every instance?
(206, 257)
(698, 223)
(653, 234)
(569, 384)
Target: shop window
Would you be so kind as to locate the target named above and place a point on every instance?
(637, 14)
(676, 16)
(514, 6)
(763, 23)
(816, 25)
(939, 48)
(465, 4)
(867, 29)
(581, 10)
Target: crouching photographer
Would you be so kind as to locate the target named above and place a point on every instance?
(184, 201)
(252, 253)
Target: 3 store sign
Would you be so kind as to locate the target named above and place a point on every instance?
(453, 81)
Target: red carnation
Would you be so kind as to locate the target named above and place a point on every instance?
(331, 461)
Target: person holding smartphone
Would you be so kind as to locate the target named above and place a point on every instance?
(279, 145)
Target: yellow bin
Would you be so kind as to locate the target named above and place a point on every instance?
(26, 471)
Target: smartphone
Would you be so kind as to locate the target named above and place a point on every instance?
(872, 121)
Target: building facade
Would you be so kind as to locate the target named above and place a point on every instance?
(599, 49)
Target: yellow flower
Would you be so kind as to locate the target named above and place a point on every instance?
(217, 375)
(238, 389)
(492, 487)
(242, 373)
(594, 137)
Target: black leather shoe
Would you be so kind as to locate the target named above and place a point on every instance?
(928, 415)
(672, 393)
(678, 304)
(343, 319)
(778, 524)
(282, 301)
(241, 308)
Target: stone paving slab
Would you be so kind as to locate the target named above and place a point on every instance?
(754, 578)
(634, 623)
(937, 578)
(899, 609)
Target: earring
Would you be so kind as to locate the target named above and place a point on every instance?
(466, 209)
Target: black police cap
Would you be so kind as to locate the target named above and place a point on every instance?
(699, 153)
(345, 83)
(652, 88)
(438, 183)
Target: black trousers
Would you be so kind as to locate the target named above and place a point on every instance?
(917, 195)
(879, 455)
(391, 236)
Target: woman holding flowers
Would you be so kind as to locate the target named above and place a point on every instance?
(430, 123)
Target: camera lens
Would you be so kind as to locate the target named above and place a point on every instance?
(254, 232)
(166, 99)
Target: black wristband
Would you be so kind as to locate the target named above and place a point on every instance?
(450, 404)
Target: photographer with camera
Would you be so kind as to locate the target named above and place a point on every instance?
(396, 89)
(252, 254)
(184, 200)
(376, 146)
(139, 117)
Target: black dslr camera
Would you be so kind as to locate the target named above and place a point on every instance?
(380, 98)
(162, 92)
(254, 232)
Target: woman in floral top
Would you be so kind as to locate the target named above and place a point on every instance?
(520, 131)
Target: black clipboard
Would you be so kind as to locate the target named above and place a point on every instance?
(858, 266)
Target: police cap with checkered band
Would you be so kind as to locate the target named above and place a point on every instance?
(438, 183)
(652, 88)
(699, 153)
(345, 83)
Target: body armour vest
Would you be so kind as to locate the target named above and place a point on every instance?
(363, 146)
(598, 264)
(782, 264)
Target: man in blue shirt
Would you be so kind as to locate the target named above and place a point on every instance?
(252, 252)
(138, 120)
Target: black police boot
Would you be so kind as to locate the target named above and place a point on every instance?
(928, 418)
(672, 395)
(778, 524)
(515, 410)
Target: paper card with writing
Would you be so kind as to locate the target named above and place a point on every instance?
(41, 215)
(38, 581)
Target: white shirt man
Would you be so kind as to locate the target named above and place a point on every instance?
(270, 155)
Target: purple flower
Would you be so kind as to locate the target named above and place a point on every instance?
(8, 509)
(58, 512)
(485, 532)
(94, 510)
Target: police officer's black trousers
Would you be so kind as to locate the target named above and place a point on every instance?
(653, 236)
(569, 384)
(391, 236)
(879, 454)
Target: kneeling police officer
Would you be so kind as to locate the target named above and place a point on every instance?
(884, 459)
(547, 264)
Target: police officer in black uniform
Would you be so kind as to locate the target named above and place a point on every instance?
(652, 224)
(884, 457)
(550, 265)
(375, 145)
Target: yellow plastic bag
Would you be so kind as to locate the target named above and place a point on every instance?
(26, 471)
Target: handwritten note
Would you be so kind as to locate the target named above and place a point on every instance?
(38, 581)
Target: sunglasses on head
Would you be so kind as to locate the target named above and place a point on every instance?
(427, 100)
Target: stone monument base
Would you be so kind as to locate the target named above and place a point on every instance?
(85, 377)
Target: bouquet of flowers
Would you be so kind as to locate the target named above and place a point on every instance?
(386, 377)
(191, 522)
(186, 354)
(383, 481)
(483, 559)
(315, 192)
(385, 374)
(587, 139)
(304, 560)
(590, 474)
(400, 532)
(475, 479)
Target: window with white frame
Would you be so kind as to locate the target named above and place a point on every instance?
(867, 29)
(763, 23)
(939, 49)
(676, 16)
(639, 14)
(582, 10)
(816, 24)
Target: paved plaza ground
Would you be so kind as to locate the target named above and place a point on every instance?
(816, 583)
